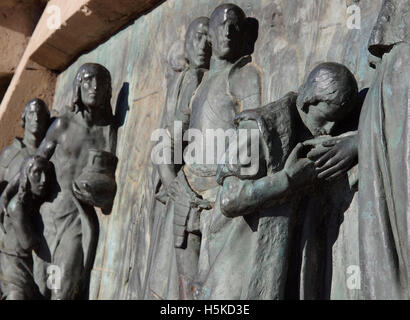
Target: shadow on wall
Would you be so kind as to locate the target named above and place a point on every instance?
(121, 109)
(251, 35)
(4, 84)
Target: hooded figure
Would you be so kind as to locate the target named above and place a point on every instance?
(383, 157)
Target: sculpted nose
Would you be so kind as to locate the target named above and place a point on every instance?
(94, 84)
(202, 43)
(227, 31)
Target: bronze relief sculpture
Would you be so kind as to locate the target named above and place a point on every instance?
(220, 230)
(35, 120)
(167, 259)
(262, 221)
(231, 85)
(79, 145)
(70, 226)
(22, 235)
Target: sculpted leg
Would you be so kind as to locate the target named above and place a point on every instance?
(69, 258)
(187, 263)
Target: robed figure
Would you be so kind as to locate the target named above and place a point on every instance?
(383, 160)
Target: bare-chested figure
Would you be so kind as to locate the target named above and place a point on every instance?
(68, 230)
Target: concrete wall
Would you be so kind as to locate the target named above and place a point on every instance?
(294, 36)
(17, 22)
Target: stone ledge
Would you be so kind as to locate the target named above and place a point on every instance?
(91, 23)
(85, 25)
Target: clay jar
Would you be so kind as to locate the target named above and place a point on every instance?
(96, 185)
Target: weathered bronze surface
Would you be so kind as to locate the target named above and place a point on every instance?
(329, 193)
(22, 233)
(80, 146)
(35, 120)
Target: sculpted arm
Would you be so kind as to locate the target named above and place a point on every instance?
(179, 122)
(241, 197)
(48, 145)
(167, 171)
(246, 87)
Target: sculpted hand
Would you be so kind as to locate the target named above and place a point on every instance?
(173, 189)
(162, 195)
(246, 116)
(300, 169)
(335, 157)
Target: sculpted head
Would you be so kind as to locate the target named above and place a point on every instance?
(36, 117)
(92, 89)
(34, 175)
(197, 46)
(392, 27)
(226, 30)
(329, 94)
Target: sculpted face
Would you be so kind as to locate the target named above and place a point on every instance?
(197, 47)
(325, 111)
(226, 30)
(37, 176)
(36, 117)
(94, 87)
(328, 95)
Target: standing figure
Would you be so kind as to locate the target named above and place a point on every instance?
(176, 63)
(22, 234)
(35, 120)
(75, 141)
(163, 278)
(383, 160)
(324, 242)
(232, 85)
